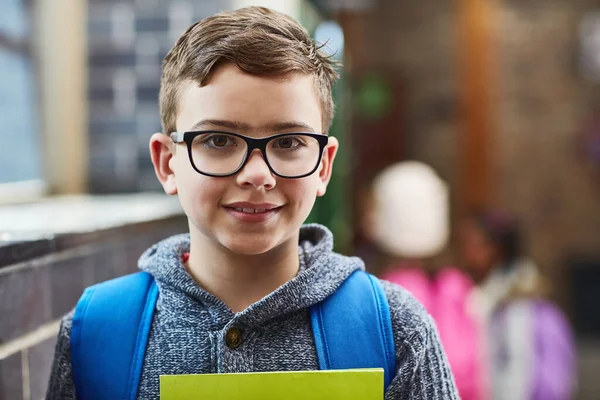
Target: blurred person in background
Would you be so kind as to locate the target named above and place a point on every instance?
(409, 220)
(529, 345)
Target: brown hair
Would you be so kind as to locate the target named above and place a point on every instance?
(259, 41)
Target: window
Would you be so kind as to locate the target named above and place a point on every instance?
(20, 160)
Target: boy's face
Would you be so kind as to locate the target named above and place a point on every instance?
(236, 102)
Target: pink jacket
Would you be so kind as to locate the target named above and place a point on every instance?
(445, 298)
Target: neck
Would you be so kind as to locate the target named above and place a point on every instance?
(240, 280)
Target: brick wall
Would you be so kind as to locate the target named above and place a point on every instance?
(415, 42)
(544, 106)
(37, 292)
(541, 105)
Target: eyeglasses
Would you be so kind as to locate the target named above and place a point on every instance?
(220, 154)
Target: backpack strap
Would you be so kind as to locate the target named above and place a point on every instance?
(109, 336)
(353, 327)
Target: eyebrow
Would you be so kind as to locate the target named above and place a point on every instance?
(241, 126)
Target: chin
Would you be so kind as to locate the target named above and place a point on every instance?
(249, 245)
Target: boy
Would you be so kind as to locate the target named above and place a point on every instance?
(234, 294)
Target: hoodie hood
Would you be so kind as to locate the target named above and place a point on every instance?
(321, 272)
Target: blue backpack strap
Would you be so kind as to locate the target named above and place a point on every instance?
(353, 329)
(110, 332)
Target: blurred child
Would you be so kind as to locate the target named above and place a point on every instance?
(530, 352)
(411, 223)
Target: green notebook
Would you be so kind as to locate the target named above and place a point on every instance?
(351, 384)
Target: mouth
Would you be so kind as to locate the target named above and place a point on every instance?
(253, 210)
(252, 207)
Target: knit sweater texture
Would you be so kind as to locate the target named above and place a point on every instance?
(189, 328)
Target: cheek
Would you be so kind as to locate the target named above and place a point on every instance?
(197, 191)
(301, 198)
(301, 191)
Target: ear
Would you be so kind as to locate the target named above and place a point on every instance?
(327, 164)
(162, 151)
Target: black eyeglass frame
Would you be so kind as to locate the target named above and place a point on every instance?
(252, 143)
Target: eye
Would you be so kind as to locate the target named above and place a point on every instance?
(218, 141)
(288, 142)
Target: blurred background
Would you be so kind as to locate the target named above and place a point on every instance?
(500, 97)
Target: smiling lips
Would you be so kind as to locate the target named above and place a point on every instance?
(252, 212)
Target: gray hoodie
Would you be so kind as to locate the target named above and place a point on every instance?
(188, 333)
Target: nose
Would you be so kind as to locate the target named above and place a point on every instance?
(256, 173)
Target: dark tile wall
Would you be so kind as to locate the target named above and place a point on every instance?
(40, 290)
(14, 251)
(11, 383)
(44, 289)
(24, 305)
(40, 359)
